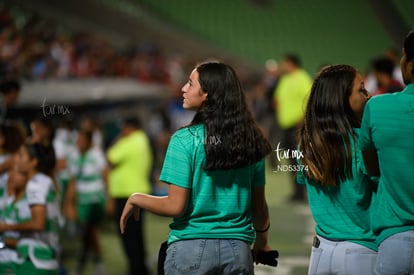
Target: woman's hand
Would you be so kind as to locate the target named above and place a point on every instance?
(260, 244)
(130, 209)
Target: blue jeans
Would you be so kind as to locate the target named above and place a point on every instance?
(396, 255)
(341, 258)
(209, 256)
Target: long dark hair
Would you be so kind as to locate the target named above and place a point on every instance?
(324, 137)
(225, 115)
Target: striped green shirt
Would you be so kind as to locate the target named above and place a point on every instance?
(3, 192)
(219, 205)
(41, 247)
(342, 212)
(88, 169)
(388, 127)
(11, 208)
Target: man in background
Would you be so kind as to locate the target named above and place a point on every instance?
(130, 159)
(290, 98)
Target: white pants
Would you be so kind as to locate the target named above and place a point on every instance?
(341, 258)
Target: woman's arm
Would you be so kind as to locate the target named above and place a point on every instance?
(37, 223)
(261, 221)
(172, 205)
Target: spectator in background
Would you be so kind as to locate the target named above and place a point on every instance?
(130, 159)
(64, 144)
(386, 139)
(38, 245)
(290, 98)
(85, 198)
(371, 83)
(14, 201)
(91, 125)
(12, 136)
(262, 100)
(383, 71)
(9, 89)
(394, 55)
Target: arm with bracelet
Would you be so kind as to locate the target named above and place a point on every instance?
(262, 253)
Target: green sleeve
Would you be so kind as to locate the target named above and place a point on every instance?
(365, 141)
(259, 177)
(177, 164)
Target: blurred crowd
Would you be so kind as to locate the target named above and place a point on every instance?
(36, 48)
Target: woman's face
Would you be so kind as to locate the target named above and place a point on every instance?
(359, 96)
(24, 163)
(192, 93)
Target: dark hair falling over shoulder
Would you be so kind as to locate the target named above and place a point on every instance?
(325, 135)
(226, 117)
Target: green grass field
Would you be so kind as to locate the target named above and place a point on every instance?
(291, 233)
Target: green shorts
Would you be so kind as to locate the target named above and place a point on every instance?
(91, 212)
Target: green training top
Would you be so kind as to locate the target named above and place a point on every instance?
(219, 205)
(388, 127)
(342, 212)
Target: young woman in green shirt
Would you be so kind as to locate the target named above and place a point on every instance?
(339, 191)
(216, 175)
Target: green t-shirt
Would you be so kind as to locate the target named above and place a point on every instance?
(342, 212)
(131, 158)
(219, 205)
(291, 95)
(388, 127)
